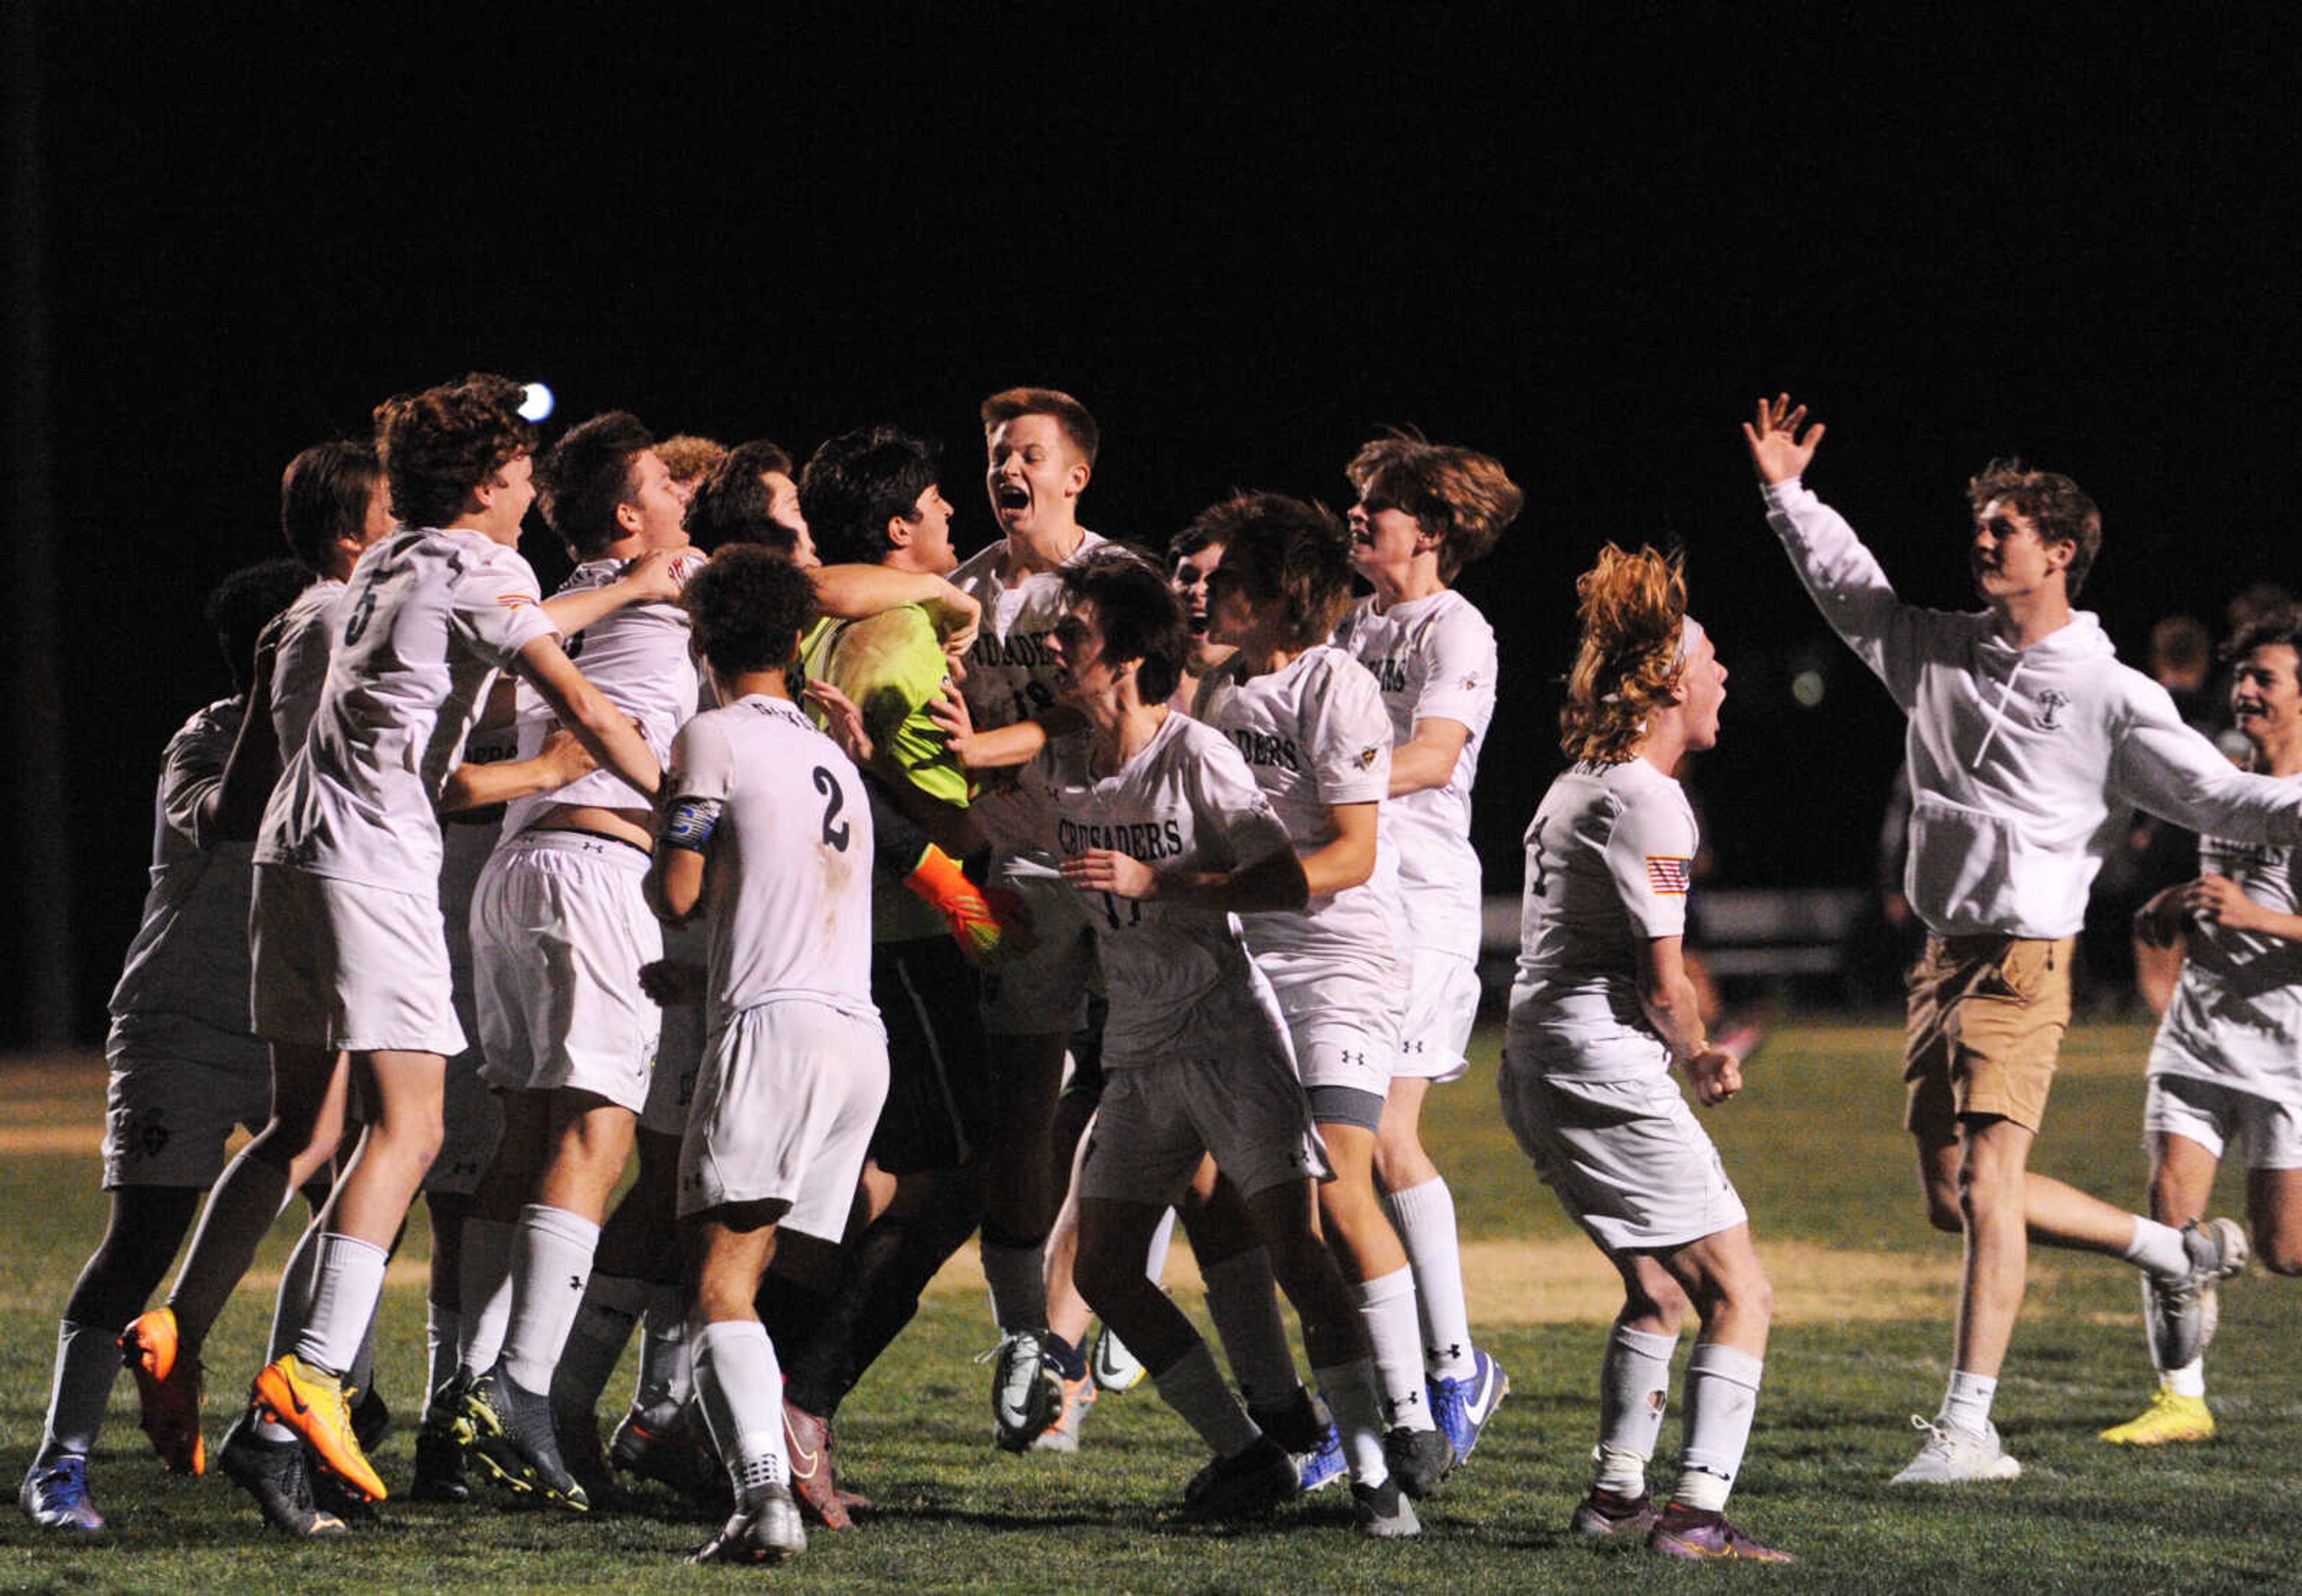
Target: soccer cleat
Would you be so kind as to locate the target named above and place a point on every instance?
(1250, 1482)
(1419, 1458)
(662, 1442)
(1700, 1537)
(807, 1441)
(1025, 1393)
(167, 1390)
(1954, 1454)
(311, 1402)
(1116, 1369)
(2168, 1419)
(1462, 1407)
(1063, 1434)
(439, 1473)
(1602, 1513)
(1382, 1512)
(1300, 1424)
(2181, 1314)
(769, 1532)
(278, 1475)
(508, 1434)
(54, 1495)
(1324, 1466)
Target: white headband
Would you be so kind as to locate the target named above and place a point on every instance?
(1690, 634)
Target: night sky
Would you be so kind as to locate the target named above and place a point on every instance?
(1247, 247)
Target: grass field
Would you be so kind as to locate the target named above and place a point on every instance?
(1864, 1292)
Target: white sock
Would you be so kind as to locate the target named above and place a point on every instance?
(1967, 1402)
(550, 1265)
(667, 1354)
(1154, 1260)
(1387, 1305)
(740, 1387)
(2158, 1250)
(2189, 1381)
(88, 1359)
(1351, 1398)
(345, 1288)
(292, 1311)
(247, 1198)
(1243, 1300)
(1633, 1389)
(361, 1375)
(611, 1307)
(1019, 1286)
(440, 1338)
(1425, 1218)
(484, 1285)
(1722, 1394)
(1194, 1387)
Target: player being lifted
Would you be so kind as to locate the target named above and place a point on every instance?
(766, 832)
(2227, 1064)
(2027, 743)
(1601, 1009)
(1424, 511)
(348, 952)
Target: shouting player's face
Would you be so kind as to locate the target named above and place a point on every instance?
(1084, 679)
(1704, 679)
(1385, 539)
(504, 500)
(1034, 477)
(930, 525)
(1190, 581)
(2267, 695)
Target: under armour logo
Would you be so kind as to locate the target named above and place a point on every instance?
(575, 1282)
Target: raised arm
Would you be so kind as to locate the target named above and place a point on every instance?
(2165, 767)
(604, 730)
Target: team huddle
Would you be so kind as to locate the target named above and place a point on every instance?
(871, 901)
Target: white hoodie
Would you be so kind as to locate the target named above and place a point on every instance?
(2024, 762)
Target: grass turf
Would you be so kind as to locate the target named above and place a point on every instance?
(1860, 1344)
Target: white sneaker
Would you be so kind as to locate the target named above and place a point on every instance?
(1954, 1454)
(1026, 1396)
(2181, 1314)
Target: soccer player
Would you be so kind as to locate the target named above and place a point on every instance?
(2026, 740)
(1601, 1009)
(1041, 446)
(751, 497)
(184, 1067)
(690, 459)
(560, 931)
(765, 831)
(348, 952)
(1194, 555)
(1424, 511)
(2227, 1064)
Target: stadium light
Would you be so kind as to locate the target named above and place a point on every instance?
(536, 402)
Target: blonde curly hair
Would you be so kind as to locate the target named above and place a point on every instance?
(1632, 611)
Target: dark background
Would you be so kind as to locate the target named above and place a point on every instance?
(1248, 244)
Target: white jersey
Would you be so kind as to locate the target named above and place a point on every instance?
(1434, 659)
(1010, 673)
(788, 893)
(1315, 734)
(638, 657)
(191, 954)
(430, 617)
(2236, 1018)
(1178, 977)
(1609, 859)
(306, 631)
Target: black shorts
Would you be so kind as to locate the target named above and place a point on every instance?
(1086, 1046)
(937, 1062)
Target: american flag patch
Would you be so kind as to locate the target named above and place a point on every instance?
(1667, 875)
(514, 601)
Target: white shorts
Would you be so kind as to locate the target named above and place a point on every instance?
(560, 931)
(178, 1089)
(785, 1107)
(1155, 1121)
(1626, 1157)
(1442, 1005)
(1343, 1021)
(347, 966)
(679, 1054)
(2213, 1115)
(1044, 992)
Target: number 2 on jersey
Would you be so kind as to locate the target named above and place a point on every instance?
(836, 831)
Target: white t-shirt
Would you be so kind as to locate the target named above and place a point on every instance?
(1434, 659)
(1315, 734)
(1610, 855)
(1010, 673)
(638, 657)
(2236, 1018)
(300, 663)
(190, 953)
(788, 893)
(1178, 977)
(431, 616)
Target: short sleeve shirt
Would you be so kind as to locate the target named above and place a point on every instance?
(299, 662)
(2236, 1018)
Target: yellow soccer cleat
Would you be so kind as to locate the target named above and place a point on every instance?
(2168, 1419)
(167, 1389)
(311, 1402)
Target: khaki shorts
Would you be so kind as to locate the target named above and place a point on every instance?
(1986, 1018)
